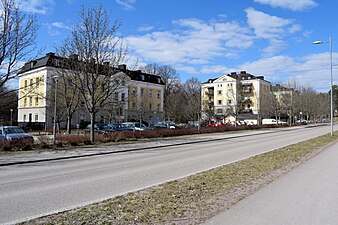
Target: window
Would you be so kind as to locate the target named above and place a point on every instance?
(26, 83)
(70, 82)
(219, 102)
(134, 105)
(219, 92)
(25, 102)
(150, 93)
(229, 101)
(158, 107)
(159, 80)
(37, 82)
(30, 101)
(158, 94)
(123, 95)
(24, 118)
(150, 106)
(36, 101)
(142, 77)
(134, 91)
(36, 118)
(142, 91)
(116, 96)
(31, 82)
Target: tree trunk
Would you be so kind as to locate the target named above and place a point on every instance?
(92, 120)
(69, 124)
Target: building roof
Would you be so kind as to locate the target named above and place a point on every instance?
(242, 75)
(52, 60)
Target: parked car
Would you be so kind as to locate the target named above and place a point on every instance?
(165, 125)
(100, 128)
(14, 134)
(272, 121)
(134, 126)
(303, 122)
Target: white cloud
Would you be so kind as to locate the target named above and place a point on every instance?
(60, 25)
(36, 6)
(145, 28)
(271, 28)
(127, 4)
(295, 5)
(311, 70)
(192, 41)
(266, 26)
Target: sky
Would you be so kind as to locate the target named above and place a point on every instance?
(209, 38)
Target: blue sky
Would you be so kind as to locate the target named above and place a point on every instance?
(209, 38)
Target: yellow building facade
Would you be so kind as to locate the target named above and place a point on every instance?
(35, 104)
(234, 96)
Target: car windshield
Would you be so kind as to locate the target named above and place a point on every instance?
(13, 130)
(127, 125)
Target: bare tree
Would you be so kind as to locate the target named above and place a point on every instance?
(192, 93)
(18, 35)
(99, 49)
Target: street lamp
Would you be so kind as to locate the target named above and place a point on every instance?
(11, 117)
(56, 79)
(331, 83)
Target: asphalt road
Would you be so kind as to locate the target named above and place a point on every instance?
(32, 190)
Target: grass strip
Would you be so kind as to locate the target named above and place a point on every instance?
(196, 198)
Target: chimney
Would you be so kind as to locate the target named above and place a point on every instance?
(243, 72)
(50, 54)
(122, 67)
(233, 73)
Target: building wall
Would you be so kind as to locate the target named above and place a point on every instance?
(231, 97)
(42, 109)
(32, 96)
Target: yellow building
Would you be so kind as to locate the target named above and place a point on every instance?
(36, 103)
(234, 96)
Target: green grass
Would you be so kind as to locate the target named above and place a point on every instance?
(196, 198)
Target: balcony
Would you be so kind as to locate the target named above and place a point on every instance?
(245, 111)
(247, 90)
(247, 101)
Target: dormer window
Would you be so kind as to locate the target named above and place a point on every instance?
(57, 63)
(159, 80)
(142, 77)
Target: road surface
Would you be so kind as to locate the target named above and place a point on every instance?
(32, 190)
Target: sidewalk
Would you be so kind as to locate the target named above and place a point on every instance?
(306, 195)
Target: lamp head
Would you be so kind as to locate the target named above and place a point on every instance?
(317, 42)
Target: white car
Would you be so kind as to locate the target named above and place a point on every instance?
(134, 125)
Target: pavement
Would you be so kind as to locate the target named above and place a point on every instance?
(86, 151)
(306, 195)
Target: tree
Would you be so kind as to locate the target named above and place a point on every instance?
(192, 93)
(18, 34)
(94, 40)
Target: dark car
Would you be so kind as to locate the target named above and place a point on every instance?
(14, 134)
(100, 128)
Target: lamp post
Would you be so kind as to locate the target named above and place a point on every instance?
(331, 78)
(56, 79)
(11, 119)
